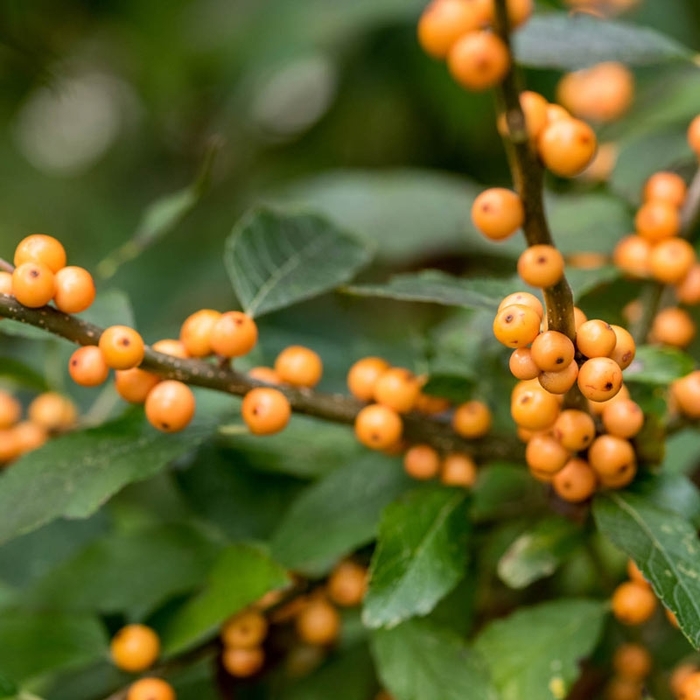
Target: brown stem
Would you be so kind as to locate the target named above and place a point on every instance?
(333, 407)
(6, 266)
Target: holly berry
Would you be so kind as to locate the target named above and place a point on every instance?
(170, 406)
(459, 470)
(244, 630)
(134, 648)
(234, 334)
(552, 351)
(599, 378)
(347, 584)
(397, 388)
(42, 249)
(472, 419)
(498, 213)
(575, 481)
(122, 347)
(33, 284)
(134, 385)
(242, 662)
(541, 266)
(632, 661)
(567, 146)
(378, 427)
(595, 338)
(265, 411)
(363, 376)
(632, 603)
(318, 623)
(299, 366)
(478, 60)
(443, 22)
(656, 220)
(74, 290)
(422, 462)
(195, 332)
(53, 412)
(87, 366)
(150, 689)
(516, 326)
(665, 186)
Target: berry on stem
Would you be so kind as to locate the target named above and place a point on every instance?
(443, 22)
(422, 462)
(478, 60)
(33, 284)
(541, 265)
(43, 249)
(74, 290)
(53, 412)
(234, 334)
(378, 427)
(459, 470)
(567, 146)
(299, 366)
(318, 623)
(244, 630)
(599, 378)
(134, 385)
(195, 332)
(87, 366)
(242, 662)
(170, 406)
(397, 388)
(516, 326)
(498, 213)
(122, 347)
(472, 419)
(632, 603)
(265, 411)
(134, 648)
(150, 689)
(347, 584)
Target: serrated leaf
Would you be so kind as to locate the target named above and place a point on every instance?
(348, 503)
(421, 555)
(170, 560)
(437, 287)
(419, 661)
(242, 574)
(536, 651)
(657, 365)
(539, 552)
(573, 41)
(35, 643)
(75, 474)
(275, 260)
(663, 544)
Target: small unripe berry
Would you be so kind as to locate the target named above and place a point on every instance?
(40, 248)
(541, 265)
(33, 284)
(234, 334)
(498, 213)
(122, 347)
(478, 60)
(135, 648)
(299, 366)
(170, 406)
(87, 366)
(74, 290)
(378, 427)
(265, 411)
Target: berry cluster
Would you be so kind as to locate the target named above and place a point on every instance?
(632, 664)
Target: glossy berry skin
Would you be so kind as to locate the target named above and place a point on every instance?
(523, 299)
(567, 147)
(75, 290)
(422, 462)
(195, 332)
(244, 630)
(611, 456)
(363, 376)
(53, 412)
(534, 408)
(122, 347)
(33, 284)
(625, 348)
(631, 255)
(671, 260)
(599, 378)
(544, 454)
(299, 366)
(234, 334)
(378, 427)
(134, 648)
(516, 326)
(134, 385)
(397, 388)
(521, 364)
(595, 338)
(265, 411)
(43, 249)
(657, 220)
(666, 186)
(170, 406)
(633, 604)
(623, 418)
(443, 22)
(541, 266)
(458, 470)
(574, 429)
(552, 351)
(87, 366)
(318, 623)
(347, 584)
(242, 662)
(575, 481)
(561, 381)
(498, 213)
(478, 60)
(172, 347)
(150, 689)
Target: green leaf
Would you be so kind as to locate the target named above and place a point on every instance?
(421, 555)
(75, 474)
(169, 559)
(37, 643)
(539, 552)
(18, 374)
(572, 41)
(275, 260)
(656, 365)
(348, 503)
(504, 491)
(663, 544)
(419, 661)
(583, 281)
(673, 492)
(8, 689)
(536, 651)
(241, 575)
(437, 287)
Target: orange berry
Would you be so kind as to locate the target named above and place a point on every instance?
(134, 648)
(170, 406)
(625, 348)
(265, 411)
(619, 688)
(534, 108)
(6, 283)
(556, 112)
(667, 187)
(541, 266)
(635, 574)
(601, 167)
(633, 604)
(458, 469)
(552, 351)
(397, 388)
(134, 385)
(33, 284)
(656, 220)
(611, 456)
(363, 376)
(264, 374)
(43, 249)
(422, 462)
(688, 289)
(623, 418)
(523, 299)
(574, 429)
(195, 332)
(318, 623)
(122, 347)
(567, 146)
(472, 419)
(242, 662)
(244, 630)
(521, 364)
(299, 366)
(29, 436)
(545, 454)
(234, 334)
(686, 393)
(673, 326)
(516, 326)
(53, 412)
(694, 136)
(679, 675)
(631, 255)
(87, 366)
(10, 448)
(347, 584)
(498, 213)
(579, 317)
(690, 687)
(431, 405)
(150, 689)
(561, 381)
(575, 481)
(534, 408)
(519, 11)
(671, 260)
(599, 378)
(597, 407)
(596, 338)
(378, 427)
(478, 60)
(632, 661)
(443, 22)
(10, 410)
(74, 290)
(172, 347)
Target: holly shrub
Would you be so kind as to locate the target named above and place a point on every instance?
(423, 425)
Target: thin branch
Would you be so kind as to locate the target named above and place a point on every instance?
(332, 407)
